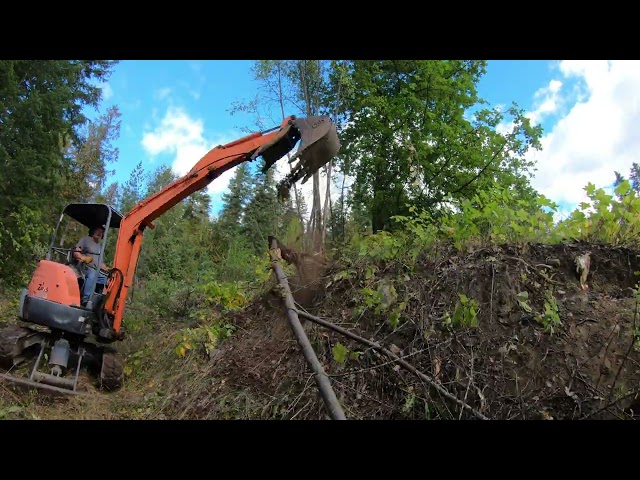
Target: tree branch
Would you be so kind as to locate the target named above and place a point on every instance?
(388, 353)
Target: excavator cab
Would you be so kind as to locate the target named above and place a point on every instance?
(52, 304)
(76, 221)
(53, 297)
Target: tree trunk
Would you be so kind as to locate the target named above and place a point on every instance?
(295, 189)
(316, 209)
(326, 214)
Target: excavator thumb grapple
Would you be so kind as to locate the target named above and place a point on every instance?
(318, 146)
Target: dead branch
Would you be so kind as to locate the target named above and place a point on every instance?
(402, 363)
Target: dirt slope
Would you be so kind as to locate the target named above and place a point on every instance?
(508, 366)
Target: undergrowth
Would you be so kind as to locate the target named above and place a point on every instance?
(497, 216)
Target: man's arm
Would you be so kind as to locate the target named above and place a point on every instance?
(78, 255)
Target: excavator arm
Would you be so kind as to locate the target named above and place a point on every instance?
(319, 144)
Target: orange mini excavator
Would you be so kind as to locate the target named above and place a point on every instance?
(56, 327)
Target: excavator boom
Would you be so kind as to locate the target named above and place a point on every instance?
(319, 143)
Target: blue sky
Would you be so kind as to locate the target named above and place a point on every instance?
(174, 111)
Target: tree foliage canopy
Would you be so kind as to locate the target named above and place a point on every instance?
(44, 155)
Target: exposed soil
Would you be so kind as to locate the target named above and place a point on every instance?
(508, 367)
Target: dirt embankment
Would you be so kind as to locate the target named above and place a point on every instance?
(540, 347)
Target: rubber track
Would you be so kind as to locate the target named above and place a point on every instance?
(9, 339)
(111, 374)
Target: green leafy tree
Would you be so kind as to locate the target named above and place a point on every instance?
(41, 110)
(235, 200)
(263, 213)
(408, 139)
(198, 206)
(133, 189)
(308, 78)
(87, 171)
(88, 158)
(297, 87)
(634, 176)
(274, 101)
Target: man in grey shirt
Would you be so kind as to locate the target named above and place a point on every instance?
(88, 253)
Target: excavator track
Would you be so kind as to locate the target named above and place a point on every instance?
(15, 343)
(14, 340)
(111, 372)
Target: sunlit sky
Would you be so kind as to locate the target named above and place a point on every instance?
(175, 111)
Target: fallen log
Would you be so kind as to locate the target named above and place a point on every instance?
(322, 380)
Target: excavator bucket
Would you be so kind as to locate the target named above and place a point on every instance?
(319, 143)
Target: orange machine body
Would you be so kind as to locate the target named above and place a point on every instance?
(55, 282)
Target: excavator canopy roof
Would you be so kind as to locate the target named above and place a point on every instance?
(92, 214)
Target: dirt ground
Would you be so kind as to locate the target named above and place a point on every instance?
(506, 364)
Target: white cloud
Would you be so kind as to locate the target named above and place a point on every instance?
(183, 137)
(547, 100)
(598, 133)
(107, 91)
(169, 94)
(162, 93)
